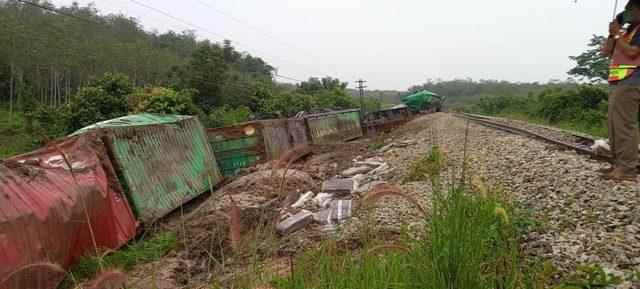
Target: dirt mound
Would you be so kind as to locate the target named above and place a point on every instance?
(271, 183)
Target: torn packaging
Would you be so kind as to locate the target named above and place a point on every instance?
(295, 222)
(338, 211)
(338, 185)
(302, 200)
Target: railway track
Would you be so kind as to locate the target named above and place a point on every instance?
(580, 144)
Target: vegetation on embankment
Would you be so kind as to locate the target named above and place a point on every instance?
(15, 137)
(470, 240)
(61, 73)
(582, 109)
(142, 251)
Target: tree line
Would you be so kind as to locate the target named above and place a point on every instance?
(65, 70)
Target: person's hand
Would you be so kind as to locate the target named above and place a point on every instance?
(614, 28)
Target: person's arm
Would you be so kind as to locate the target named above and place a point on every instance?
(629, 50)
(610, 43)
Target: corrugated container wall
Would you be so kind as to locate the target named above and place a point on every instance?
(385, 120)
(238, 146)
(246, 144)
(334, 127)
(53, 212)
(163, 160)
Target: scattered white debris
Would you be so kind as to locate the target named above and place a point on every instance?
(338, 211)
(295, 222)
(338, 185)
(356, 170)
(381, 170)
(302, 200)
(385, 148)
(322, 200)
(601, 146)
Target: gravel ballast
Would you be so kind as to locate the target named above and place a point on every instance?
(584, 219)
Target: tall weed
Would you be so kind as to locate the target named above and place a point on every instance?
(469, 241)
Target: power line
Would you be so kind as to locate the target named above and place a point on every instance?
(288, 78)
(177, 19)
(261, 32)
(169, 15)
(56, 11)
(145, 6)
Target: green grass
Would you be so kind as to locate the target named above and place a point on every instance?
(138, 252)
(469, 242)
(425, 168)
(594, 130)
(14, 138)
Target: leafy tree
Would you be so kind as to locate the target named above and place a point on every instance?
(287, 104)
(336, 98)
(225, 115)
(316, 85)
(164, 100)
(591, 65)
(106, 100)
(207, 73)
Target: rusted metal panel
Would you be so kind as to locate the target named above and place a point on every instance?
(276, 138)
(238, 146)
(333, 127)
(246, 144)
(162, 162)
(386, 120)
(54, 211)
(297, 132)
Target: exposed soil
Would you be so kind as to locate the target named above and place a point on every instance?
(205, 255)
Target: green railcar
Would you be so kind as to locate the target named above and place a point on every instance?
(423, 101)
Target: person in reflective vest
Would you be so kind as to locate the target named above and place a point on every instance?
(623, 46)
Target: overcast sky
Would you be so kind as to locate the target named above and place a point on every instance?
(391, 44)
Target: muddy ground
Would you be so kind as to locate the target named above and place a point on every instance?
(205, 255)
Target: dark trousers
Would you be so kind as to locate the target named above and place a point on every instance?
(624, 101)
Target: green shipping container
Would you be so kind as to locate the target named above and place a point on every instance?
(246, 144)
(163, 161)
(420, 101)
(236, 147)
(334, 127)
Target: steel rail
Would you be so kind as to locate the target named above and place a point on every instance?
(579, 148)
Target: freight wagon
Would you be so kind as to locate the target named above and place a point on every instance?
(134, 170)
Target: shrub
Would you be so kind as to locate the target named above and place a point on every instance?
(94, 104)
(226, 115)
(52, 122)
(335, 99)
(163, 100)
(287, 104)
(106, 99)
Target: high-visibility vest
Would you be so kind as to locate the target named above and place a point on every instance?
(622, 66)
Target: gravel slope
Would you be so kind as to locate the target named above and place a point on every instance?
(584, 219)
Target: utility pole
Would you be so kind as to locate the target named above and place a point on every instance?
(361, 88)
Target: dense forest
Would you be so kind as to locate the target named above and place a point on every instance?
(62, 68)
(464, 92)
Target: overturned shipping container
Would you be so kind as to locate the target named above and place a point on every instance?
(58, 204)
(386, 120)
(163, 161)
(246, 144)
(334, 127)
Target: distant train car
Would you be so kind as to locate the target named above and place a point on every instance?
(424, 101)
(386, 120)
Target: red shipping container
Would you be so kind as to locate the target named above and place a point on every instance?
(50, 214)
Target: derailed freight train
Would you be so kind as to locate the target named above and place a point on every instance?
(424, 101)
(93, 190)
